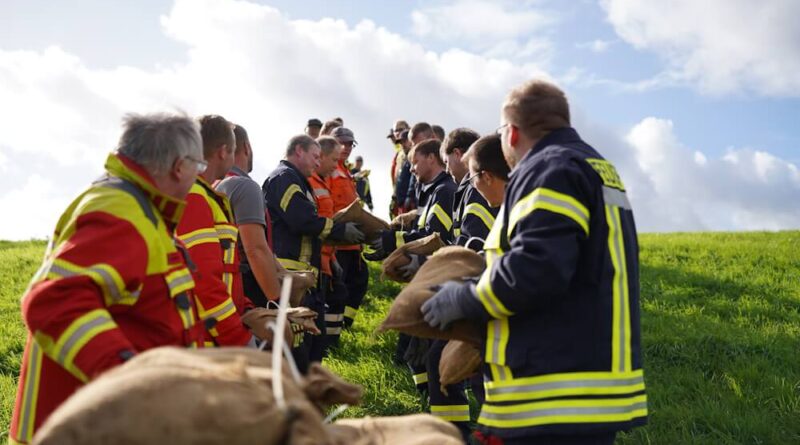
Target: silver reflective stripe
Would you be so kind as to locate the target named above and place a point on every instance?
(109, 282)
(200, 236)
(34, 368)
(334, 317)
(496, 341)
(78, 334)
(222, 230)
(179, 281)
(616, 197)
(322, 192)
(594, 383)
(578, 410)
(333, 331)
(456, 413)
(619, 250)
(221, 310)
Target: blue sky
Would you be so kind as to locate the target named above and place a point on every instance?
(652, 84)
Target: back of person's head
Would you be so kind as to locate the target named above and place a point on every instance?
(328, 127)
(304, 141)
(422, 131)
(400, 125)
(428, 147)
(339, 120)
(156, 141)
(241, 137)
(216, 131)
(438, 131)
(327, 144)
(461, 139)
(537, 107)
(487, 155)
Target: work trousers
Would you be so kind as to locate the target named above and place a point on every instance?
(356, 280)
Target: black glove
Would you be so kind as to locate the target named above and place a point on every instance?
(416, 354)
(352, 234)
(378, 253)
(336, 268)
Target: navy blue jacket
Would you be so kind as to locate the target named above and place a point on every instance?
(472, 216)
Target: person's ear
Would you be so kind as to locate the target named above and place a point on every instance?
(513, 135)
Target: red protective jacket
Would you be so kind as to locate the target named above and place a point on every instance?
(322, 194)
(343, 190)
(209, 232)
(114, 281)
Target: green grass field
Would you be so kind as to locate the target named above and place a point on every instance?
(721, 333)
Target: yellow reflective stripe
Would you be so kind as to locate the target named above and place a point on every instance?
(305, 249)
(552, 201)
(219, 312)
(487, 297)
(497, 335)
(287, 195)
(451, 413)
(399, 239)
(104, 275)
(457, 232)
(564, 411)
(573, 384)
(80, 332)
(199, 236)
(179, 281)
(30, 395)
(350, 312)
(481, 212)
(443, 216)
(298, 266)
(621, 322)
(327, 229)
(421, 378)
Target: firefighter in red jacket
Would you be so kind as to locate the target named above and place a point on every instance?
(209, 232)
(114, 280)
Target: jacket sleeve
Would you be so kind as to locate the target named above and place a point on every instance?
(286, 200)
(103, 263)
(215, 305)
(547, 224)
(476, 221)
(439, 219)
(401, 186)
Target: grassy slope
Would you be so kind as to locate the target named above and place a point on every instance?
(721, 328)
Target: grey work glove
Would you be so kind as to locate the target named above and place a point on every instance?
(378, 253)
(416, 354)
(352, 234)
(450, 303)
(410, 269)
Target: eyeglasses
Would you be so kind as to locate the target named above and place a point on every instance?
(500, 128)
(201, 164)
(471, 178)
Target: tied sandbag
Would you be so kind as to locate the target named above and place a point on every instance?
(181, 397)
(417, 429)
(326, 389)
(302, 281)
(460, 360)
(397, 259)
(371, 225)
(257, 318)
(449, 263)
(404, 221)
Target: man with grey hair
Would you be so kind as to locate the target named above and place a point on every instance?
(114, 281)
(297, 228)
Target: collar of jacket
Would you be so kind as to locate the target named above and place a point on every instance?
(464, 183)
(296, 171)
(236, 171)
(319, 179)
(557, 136)
(171, 209)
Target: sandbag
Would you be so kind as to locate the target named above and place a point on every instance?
(326, 389)
(257, 318)
(417, 429)
(449, 263)
(302, 281)
(397, 259)
(460, 360)
(404, 221)
(371, 225)
(181, 397)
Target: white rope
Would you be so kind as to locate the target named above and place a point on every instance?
(278, 341)
(336, 413)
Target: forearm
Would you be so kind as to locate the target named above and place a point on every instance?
(262, 264)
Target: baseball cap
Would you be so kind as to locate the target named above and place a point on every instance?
(343, 134)
(314, 123)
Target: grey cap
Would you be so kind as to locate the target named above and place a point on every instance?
(343, 134)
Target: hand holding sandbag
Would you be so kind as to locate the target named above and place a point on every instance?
(352, 234)
(378, 252)
(447, 304)
(415, 261)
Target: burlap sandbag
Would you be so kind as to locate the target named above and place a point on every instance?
(371, 225)
(459, 361)
(449, 263)
(326, 389)
(302, 281)
(257, 318)
(417, 429)
(397, 259)
(182, 397)
(404, 221)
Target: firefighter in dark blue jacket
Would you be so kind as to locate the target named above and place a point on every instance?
(297, 229)
(560, 295)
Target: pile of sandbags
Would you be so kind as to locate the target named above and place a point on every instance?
(200, 397)
(449, 263)
(371, 225)
(404, 221)
(399, 258)
(418, 429)
(460, 360)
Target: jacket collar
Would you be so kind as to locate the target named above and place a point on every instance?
(555, 137)
(171, 208)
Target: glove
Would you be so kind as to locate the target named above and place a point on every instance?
(378, 253)
(448, 304)
(352, 234)
(336, 268)
(410, 269)
(416, 354)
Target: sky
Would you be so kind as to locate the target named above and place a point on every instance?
(696, 103)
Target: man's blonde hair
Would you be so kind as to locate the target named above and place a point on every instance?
(537, 107)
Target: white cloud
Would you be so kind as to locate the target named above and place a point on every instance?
(722, 46)
(597, 45)
(256, 67)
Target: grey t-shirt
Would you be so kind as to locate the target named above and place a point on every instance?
(245, 196)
